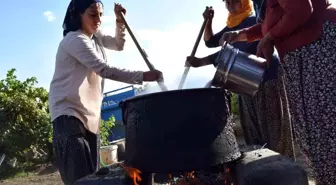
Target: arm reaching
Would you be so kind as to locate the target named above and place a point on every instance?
(81, 48)
(296, 14)
(252, 33)
(214, 41)
(208, 15)
(113, 43)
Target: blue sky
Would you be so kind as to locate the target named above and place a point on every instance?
(167, 30)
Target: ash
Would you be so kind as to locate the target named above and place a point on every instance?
(116, 175)
(200, 177)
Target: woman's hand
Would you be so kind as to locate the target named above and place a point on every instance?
(208, 13)
(197, 62)
(118, 10)
(232, 36)
(154, 75)
(266, 47)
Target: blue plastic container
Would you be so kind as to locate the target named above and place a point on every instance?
(110, 107)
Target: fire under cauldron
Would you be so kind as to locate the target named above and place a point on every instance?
(256, 167)
(185, 137)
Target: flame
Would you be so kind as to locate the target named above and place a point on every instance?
(133, 173)
(190, 175)
(189, 179)
(227, 179)
(170, 177)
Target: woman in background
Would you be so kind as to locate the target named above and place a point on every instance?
(257, 4)
(76, 90)
(304, 33)
(265, 117)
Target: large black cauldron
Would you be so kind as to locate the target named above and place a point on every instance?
(180, 130)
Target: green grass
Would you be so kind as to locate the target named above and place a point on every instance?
(21, 174)
(20, 171)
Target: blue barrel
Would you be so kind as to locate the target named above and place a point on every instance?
(110, 107)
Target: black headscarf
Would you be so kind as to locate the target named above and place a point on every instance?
(72, 18)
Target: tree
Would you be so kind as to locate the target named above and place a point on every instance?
(25, 125)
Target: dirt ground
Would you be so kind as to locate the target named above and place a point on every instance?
(44, 176)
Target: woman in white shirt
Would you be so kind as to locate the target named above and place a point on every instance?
(76, 90)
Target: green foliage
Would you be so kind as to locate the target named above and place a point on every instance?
(234, 104)
(25, 124)
(105, 130)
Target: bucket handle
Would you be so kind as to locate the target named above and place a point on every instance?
(220, 54)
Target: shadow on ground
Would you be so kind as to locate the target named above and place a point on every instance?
(48, 170)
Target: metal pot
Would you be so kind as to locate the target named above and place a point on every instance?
(180, 130)
(239, 72)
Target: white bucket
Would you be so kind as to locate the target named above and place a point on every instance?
(108, 154)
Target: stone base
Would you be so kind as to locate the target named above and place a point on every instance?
(113, 174)
(257, 167)
(266, 167)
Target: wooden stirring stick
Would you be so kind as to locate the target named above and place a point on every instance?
(187, 68)
(142, 52)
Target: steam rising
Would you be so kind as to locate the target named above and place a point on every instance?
(191, 83)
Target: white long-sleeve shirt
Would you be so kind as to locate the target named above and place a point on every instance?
(77, 86)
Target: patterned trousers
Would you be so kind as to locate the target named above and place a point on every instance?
(76, 149)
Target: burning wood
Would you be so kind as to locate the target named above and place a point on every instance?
(224, 177)
(189, 179)
(133, 173)
(220, 177)
(227, 177)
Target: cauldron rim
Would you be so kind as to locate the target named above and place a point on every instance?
(151, 95)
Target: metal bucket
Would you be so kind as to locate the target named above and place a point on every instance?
(238, 71)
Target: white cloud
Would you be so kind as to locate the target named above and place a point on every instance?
(167, 50)
(49, 16)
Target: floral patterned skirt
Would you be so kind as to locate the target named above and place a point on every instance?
(265, 118)
(311, 88)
